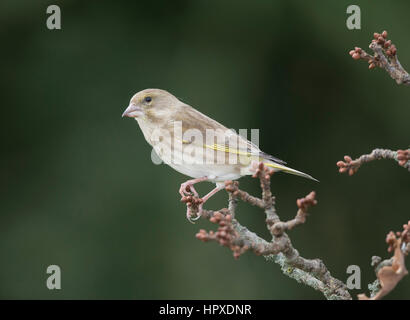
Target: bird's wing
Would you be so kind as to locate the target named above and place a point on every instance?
(228, 140)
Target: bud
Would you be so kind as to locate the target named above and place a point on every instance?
(340, 164)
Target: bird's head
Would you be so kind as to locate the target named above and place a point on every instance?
(152, 105)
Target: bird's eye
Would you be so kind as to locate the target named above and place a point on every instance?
(148, 99)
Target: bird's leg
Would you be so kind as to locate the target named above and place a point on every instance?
(188, 187)
(201, 203)
(211, 193)
(185, 191)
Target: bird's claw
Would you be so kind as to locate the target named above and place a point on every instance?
(189, 215)
(194, 207)
(187, 189)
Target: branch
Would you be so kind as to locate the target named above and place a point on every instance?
(351, 166)
(239, 239)
(390, 271)
(385, 57)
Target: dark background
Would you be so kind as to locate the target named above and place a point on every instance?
(79, 189)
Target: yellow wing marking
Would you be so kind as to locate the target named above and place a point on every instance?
(275, 165)
(226, 148)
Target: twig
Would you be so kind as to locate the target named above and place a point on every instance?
(385, 57)
(351, 166)
(280, 250)
(390, 271)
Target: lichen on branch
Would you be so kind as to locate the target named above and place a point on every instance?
(312, 272)
(389, 272)
(279, 249)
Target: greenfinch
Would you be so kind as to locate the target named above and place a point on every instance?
(184, 138)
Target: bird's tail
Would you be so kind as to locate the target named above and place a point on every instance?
(280, 167)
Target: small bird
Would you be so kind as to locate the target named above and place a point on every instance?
(179, 135)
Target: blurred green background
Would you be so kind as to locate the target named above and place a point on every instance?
(79, 189)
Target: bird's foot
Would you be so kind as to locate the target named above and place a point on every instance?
(191, 197)
(187, 188)
(193, 207)
(195, 204)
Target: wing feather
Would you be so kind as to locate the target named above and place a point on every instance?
(193, 119)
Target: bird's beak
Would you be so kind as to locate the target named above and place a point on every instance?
(132, 111)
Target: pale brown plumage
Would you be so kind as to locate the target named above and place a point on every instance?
(159, 112)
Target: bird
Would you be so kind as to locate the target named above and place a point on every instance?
(184, 138)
